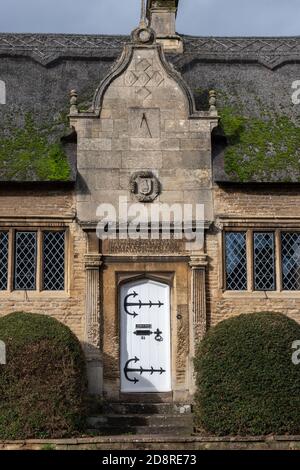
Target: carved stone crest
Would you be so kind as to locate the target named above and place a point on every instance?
(145, 186)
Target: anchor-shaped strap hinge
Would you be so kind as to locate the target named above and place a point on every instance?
(139, 370)
(138, 304)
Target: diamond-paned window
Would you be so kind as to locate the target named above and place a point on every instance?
(3, 260)
(54, 260)
(25, 260)
(236, 261)
(264, 261)
(290, 258)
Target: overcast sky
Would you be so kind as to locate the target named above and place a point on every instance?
(195, 17)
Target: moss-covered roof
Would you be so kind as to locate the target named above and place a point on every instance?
(258, 136)
(259, 147)
(32, 152)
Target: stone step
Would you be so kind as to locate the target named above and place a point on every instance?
(113, 424)
(140, 420)
(146, 408)
(107, 430)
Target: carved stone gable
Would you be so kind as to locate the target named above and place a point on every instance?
(143, 138)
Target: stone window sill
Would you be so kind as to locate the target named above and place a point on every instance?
(261, 295)
(34, 295)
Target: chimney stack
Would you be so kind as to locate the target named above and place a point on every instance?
(162, 18)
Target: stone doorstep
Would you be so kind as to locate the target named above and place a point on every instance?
(150, 408)
(174, 424)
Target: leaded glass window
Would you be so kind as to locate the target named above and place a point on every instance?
(264, 261)
(54, 260)
(25, 260)
(290, 257)
(236, 261)
(3, 260)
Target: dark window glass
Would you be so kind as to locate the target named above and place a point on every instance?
(3, 260)
(236, 261)
(54, 260)
(25, 261)
(264, 261)
(290, 256)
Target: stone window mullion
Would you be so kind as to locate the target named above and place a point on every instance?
(278, 261)
(11, 251)
(39, 261)
(250, 261)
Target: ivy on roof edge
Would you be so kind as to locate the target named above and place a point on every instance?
(27, 154)
(266, 149)
(263, 148)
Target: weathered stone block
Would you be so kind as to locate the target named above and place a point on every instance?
(137, 159)
(144, 144)
(98, 159)
(107, 179)
(120, 144)
(121, 127)
(172, 197)
(94, 144)
(178, 126)
(192, 144)
(107, 125)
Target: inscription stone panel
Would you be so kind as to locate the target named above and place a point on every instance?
(143, 246)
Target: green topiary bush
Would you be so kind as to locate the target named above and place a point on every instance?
(43, 384)
(246, 380)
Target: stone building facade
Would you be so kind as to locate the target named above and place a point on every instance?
(144, 126)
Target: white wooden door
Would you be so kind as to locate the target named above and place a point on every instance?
(145, 337)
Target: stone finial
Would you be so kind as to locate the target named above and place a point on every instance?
(143, 34)
(143, 21)
(73, 102)
(212, 101)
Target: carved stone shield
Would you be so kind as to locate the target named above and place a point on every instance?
(145, 186)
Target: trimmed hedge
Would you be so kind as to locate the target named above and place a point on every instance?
(246, 380)
(43, 384)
